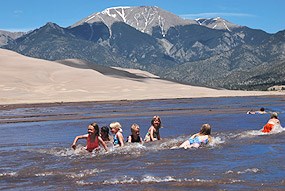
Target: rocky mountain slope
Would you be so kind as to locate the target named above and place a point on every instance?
(204, 52)
(6, 37)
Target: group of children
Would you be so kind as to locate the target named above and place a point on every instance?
(95, 138)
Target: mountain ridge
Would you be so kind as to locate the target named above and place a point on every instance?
(188, 53)
(143, 18)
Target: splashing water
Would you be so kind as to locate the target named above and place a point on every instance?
(35, 152)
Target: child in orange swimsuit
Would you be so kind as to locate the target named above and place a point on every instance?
(273, 121)
(92, 137)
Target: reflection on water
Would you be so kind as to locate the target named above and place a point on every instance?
(35, 142)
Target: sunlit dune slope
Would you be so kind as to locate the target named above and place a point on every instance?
(29, 80)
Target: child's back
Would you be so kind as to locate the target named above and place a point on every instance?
(196, 140)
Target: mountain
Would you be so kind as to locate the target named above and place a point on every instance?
(217, 23)
(203, 52)
(143, 18)
(252, 62)
(52, 42)
(7, 37)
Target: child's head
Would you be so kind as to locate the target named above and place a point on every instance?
(135, 129)
(105, 130)
(274, 115)
(205, 129)
(93, 128)
(156, 122)
(115, 127)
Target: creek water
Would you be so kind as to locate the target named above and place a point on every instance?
(35, 152)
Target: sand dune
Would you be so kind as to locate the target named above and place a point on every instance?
(30, 80)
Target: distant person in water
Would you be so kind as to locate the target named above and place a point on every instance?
(196, 140)
(260, 111)
(92, 137)
(153, 132)
(272, 122)
(135, 136)
(116, 130)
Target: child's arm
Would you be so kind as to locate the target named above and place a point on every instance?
(151, 133)
(121, 139)
(158, 135)
(76, 139)
(129, 139)
(185, 144)
(103, 144)
(210, 139)
(193, 136)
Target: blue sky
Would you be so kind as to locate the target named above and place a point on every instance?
(24, 15)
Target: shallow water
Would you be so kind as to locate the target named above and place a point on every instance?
(35, 142)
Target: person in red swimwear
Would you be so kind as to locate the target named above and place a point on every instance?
(92, 137)
(271, 123)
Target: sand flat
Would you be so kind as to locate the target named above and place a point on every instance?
(30, 80)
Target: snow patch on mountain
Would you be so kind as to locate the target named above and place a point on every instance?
(216, 23)
(143, 18)
(119, 11)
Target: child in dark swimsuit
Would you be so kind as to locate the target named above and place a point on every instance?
(135, 136)
(92, 137)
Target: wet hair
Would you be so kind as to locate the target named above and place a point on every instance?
(154, 118)
(205, 129)
(116, 125)
(135, 127)
(274, 115)
(262, 109)
(105, 129)
(105, 137)
(96, 127)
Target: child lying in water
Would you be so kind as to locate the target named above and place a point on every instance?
(196, 140)
(272, 122)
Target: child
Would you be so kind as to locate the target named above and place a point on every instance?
(261, 111)
(135, 136)
(196, 140)
(273, 121)
(93, 139)
(153, 131)
(105, 134)
(116, 129)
